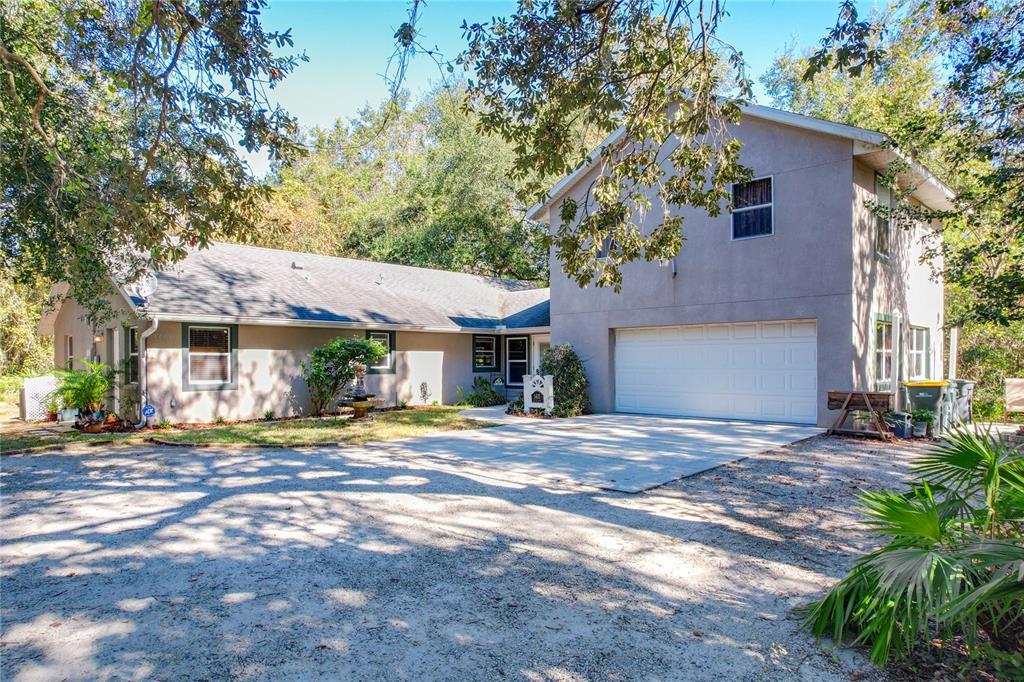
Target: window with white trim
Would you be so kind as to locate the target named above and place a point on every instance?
(209, 355)
(485, 353)
(917, 353)
(384, 339)
(132, 351)
(752, 211)
(883, 355)
(69, 352)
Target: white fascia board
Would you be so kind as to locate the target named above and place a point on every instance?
(322, 324)
(928, 189)
(535, 212)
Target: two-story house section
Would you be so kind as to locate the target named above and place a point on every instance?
(801, 289)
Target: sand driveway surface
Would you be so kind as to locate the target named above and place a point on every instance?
(385, 563)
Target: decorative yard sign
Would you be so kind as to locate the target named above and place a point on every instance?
(539, 392)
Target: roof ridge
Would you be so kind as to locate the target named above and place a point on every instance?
(488, 279)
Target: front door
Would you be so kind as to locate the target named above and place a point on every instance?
(517, 359)
(541, 344)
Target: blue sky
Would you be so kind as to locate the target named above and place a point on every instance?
(348, 44)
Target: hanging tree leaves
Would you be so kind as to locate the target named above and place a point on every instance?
(120, 122)
(554, 71)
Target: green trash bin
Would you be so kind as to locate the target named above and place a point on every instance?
(932, 396)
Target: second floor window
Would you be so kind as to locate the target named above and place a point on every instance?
(752, 209)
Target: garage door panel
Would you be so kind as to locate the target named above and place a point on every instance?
(753, 370)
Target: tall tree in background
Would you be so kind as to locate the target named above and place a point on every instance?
(654, 68)
(903, 91)
(964, 115)
(409, 183)
(118, 129)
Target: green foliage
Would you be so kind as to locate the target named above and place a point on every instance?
(268, 415)
(22, 350)
(554, 74)
(989, 353)
(570, 381)
(483, 394)
(945, 78)
(409, 183)
(332, 366)
(86, 389)
(119, 130)
(218, 419)
(954, 558)
(922, 416)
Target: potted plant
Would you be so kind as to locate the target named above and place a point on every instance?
(87, 389)
(53, 408)
(922, 420)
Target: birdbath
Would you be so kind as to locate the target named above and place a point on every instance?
(358, 399)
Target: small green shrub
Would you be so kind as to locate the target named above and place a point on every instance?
(218, 419)
(483, 394)
(570, 381)
(163, 425)
(86, 389)
(926, 416)
(953, 560)
(268, 415)
(332, 366)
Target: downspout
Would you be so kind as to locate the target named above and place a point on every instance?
(142, 370)
(954, 343)
(897, 352)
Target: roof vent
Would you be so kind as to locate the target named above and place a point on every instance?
(296, 266)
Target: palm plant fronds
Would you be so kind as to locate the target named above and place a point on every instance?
(953, 559)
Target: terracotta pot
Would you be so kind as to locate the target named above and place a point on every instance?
(94, 427)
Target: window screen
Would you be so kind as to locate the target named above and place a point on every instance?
(752, 209)
(384, 339)
(209, 355)
(485, 352)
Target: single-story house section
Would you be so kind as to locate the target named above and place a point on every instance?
(800, 290)
(226, 331)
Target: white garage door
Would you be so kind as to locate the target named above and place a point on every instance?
(762, 371)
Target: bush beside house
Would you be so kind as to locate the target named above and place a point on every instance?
(332, 366)
(570, 383)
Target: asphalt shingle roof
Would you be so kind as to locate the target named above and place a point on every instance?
(238, 282)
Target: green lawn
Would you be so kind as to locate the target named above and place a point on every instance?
(383, 426)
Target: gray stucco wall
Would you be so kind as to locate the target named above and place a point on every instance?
(802, 271)
(901, 282)
(270, 372)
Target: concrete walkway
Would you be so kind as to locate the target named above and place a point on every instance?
(620, 452)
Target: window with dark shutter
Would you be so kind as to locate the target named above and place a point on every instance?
(209, 355)
(752, 209)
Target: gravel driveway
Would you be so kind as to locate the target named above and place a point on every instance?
(358, 564)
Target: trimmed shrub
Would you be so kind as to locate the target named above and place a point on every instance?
(332, 366)
(570, 381)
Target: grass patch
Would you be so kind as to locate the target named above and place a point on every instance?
(383, 426)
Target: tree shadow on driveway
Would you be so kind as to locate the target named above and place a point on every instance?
(364, 563)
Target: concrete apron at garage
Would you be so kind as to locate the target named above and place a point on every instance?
(624, 453)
